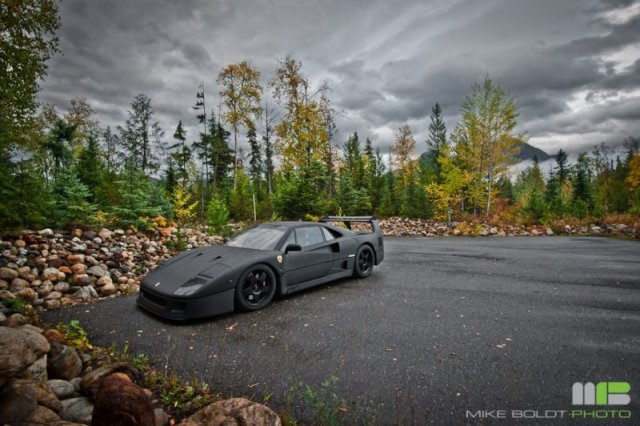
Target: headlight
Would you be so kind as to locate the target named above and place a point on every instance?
(191, 286)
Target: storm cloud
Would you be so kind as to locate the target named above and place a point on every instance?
(573, 67)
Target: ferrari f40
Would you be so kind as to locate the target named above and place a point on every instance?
(274, 258)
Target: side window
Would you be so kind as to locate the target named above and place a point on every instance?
(309, 235)
(328, 235)
(291, 239)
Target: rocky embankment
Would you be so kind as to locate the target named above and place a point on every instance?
(45, 381)
(46, 270)
(397, 226)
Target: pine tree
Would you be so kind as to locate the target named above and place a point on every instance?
(582, 187)
(90, 168)
(353, 161)
(255, 160)
(142, 138)
(181, 155)
(436, 141)
(562, 166)
(71, 200)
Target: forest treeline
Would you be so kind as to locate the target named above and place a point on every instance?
(63, 167)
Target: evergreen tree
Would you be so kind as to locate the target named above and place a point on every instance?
(562, 166)
(26, 200)
(374, 170)
(135, 206)
(351, 200)
(90, 167)
(220, 155)
(255, 160)
(436, 141)
(57, 145)
(71, 200)
(170, 178)
(111, 150)
(582, 187)
(142, 138)
(181, 155)
(353, 161)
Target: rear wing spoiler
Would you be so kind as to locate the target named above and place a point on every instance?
(348, 220)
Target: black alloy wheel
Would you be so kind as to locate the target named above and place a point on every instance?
(256, 288)
(364, 262)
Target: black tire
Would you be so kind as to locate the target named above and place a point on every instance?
(256, 288)
(364, 261)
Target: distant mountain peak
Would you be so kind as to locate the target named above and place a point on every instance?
(529, 152)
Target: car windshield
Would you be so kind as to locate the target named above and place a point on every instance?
(261, 238)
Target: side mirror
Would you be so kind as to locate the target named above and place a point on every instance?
(292, 247)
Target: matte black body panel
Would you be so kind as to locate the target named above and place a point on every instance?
(201, 282)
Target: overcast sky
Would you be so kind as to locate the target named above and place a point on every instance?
(572, 66)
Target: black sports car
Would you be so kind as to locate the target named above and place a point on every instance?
(247, 271)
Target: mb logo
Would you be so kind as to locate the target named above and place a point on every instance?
(604, 393)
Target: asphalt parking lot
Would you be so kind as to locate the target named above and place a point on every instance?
(442, 326)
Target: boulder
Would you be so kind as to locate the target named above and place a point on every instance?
(64, 362)
(81, 279)
(53, 335)
(18, 284)
(45, 288)
(162, 418)
(91, 381)
(50, 274)
(77, 410)
(97, 271)
(78, 268)
(46, 232)
(18, 404)
(234, 411)
(37, 371)
(44, 416)
(52, 304)
(74, 259)
(105, 234)
(108, 289)
(54, 295)
(62, 287)
(118, 399)
(82, 294)
(61, 388)
(44, 396)
(27, 294)
(104, 280)
(8, 274)
(16, 320)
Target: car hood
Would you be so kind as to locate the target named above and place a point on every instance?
(209, 263)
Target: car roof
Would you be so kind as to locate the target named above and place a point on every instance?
(299, 223)
(290, 223)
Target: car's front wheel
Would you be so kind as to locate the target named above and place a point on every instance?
(256, 288)
(364, 261)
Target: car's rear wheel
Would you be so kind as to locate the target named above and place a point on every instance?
(364, 261)
(256, 288)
